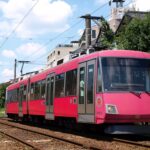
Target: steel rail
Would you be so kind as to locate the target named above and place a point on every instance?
(131, 142)
(60, 138)
(20, 140)
(86, 145)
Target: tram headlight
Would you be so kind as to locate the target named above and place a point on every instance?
(111, 109)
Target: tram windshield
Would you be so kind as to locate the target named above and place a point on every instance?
(126, 74)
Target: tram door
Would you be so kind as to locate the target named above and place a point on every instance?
(49, 96)
(21, 94)
(86, 75)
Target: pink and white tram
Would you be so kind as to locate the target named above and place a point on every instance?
(107, 87)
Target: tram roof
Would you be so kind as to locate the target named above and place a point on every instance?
(72, 64)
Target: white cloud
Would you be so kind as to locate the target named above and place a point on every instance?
(8, 53)
(31, 50)
(7, 72)
(47, 16)
(142, 5)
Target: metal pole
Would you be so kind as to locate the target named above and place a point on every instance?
(15, 66)
(88, 30)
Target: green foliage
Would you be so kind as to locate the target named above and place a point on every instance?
(136, 35)
(2, 94)
(107, 36)
(2, 112)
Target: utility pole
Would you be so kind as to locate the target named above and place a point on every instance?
(87, 29)
(23, 62)
(15, 67)
(88, 19)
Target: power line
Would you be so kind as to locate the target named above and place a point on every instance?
(38, 64)
(56, 37)
(63, 33)
(93, 11)
(99, 8)
(21, 21)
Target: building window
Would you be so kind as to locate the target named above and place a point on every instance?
(59, 85)
(93, 33)
(58, 52)
(71, 82)
(60, 61)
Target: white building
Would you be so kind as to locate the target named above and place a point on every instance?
(60, 54)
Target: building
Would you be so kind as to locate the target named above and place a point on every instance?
(94, 35)
(118, 13)
(116, 17)
(128, 16)
(61, 53)
(94, 43)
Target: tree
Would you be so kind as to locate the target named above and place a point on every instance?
(2, 94)
(136, 35)
(106, 35)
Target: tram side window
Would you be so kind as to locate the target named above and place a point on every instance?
(24, 92)
(43, 89)
(71, 82)
(82, 86)
(99, 77)
(90, 84)
(37, 90)
(32, 91)
(59, 85)
(17, 94)
(14, 95)
(8, 96)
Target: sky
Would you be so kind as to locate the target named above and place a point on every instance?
(30, 29)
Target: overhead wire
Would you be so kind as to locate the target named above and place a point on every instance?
(58, 36)
(20, 22)
(53, 39)
(50, 40)
(62, 34)
(49, 51)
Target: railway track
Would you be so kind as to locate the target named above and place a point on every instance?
(20, 140)
(54, 136)
(97, 143)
